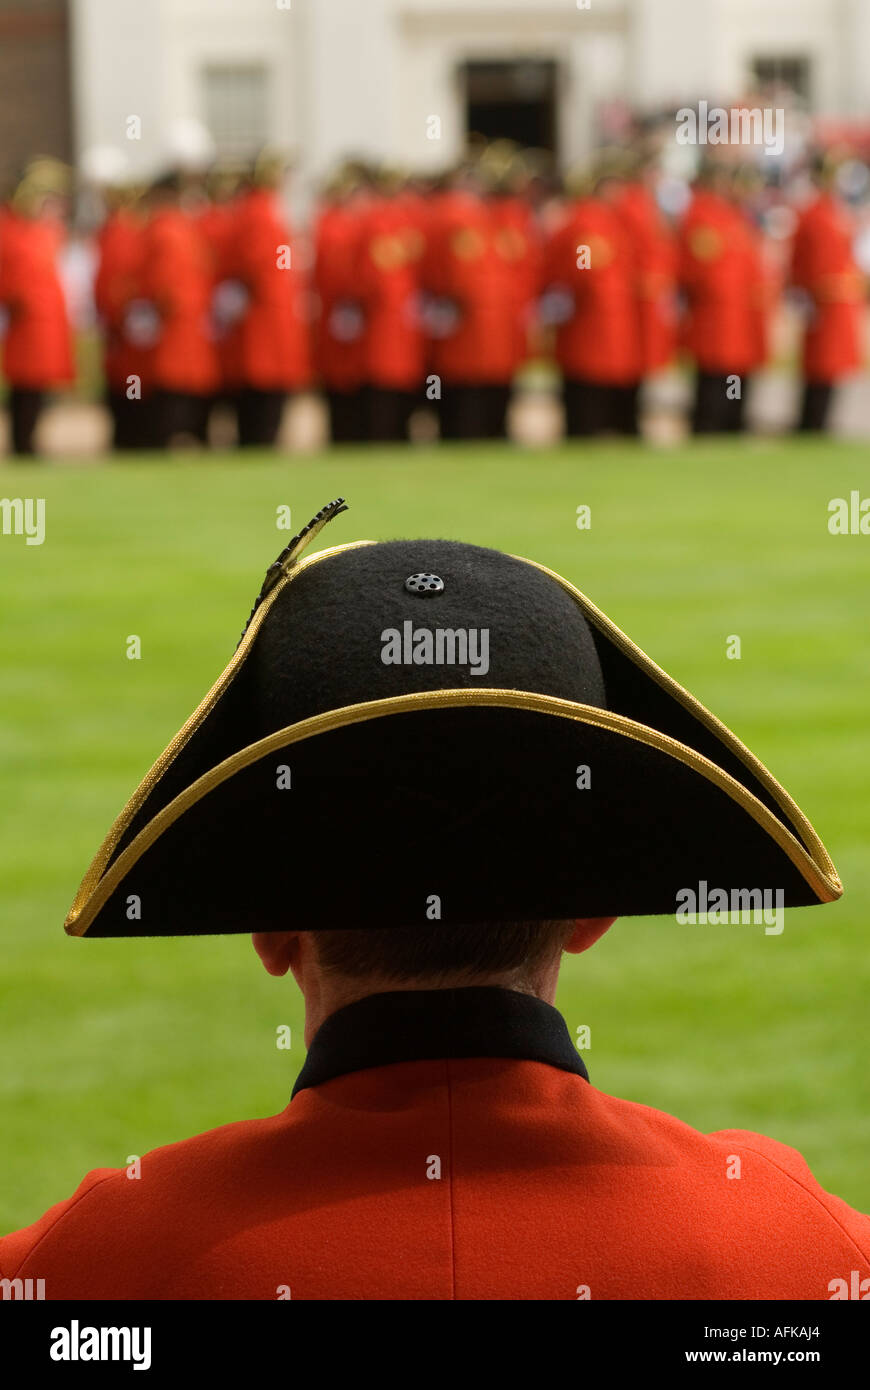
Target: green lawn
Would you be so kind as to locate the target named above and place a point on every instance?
(108, 1049)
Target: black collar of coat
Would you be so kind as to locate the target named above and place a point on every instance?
(428, 1025)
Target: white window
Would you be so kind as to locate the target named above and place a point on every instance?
(236, 107)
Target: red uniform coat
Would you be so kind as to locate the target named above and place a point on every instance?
(387, 287)
(37, 350)
(120, 251)
(176, 278)
(601, 341)
(216, 222)
(823, 265)
(518, 241)
(465, 263)
(338, 340)
(723, 276)
(446, 1144)
(655, 265)
(271, 338)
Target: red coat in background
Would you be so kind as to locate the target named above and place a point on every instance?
(338, 342)
(177, 279)
(465, 265)
(655, 262)
(216, 222)
(722, 273)
(601, 341)
(37, 350)
(823, 265)
(518, 242)
(415, 208)
(387, 287)
(271, 337)
(120, 252)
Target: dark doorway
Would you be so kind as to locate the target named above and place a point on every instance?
(512, 101)
(793, 72)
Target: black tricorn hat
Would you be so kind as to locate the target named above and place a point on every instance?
(423, 731)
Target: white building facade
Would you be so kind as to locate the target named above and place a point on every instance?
(405, 80)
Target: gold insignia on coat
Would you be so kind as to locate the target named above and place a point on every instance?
(705, 243)
(467, 244)
(510, 243)
(415, 243)
(388, 252)
(601, 250)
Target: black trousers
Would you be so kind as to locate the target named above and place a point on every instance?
(594, 408)
(387, 412)
(816, 402)
(347, 416)
(626, 408)
(474, 412)
(259, 416)
(25, 407)
(713, 411)
(177, 412)
(132, 421)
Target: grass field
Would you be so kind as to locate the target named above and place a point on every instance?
(108, 1049)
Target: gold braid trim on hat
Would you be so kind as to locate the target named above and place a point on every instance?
(705, 717)
(86, 906)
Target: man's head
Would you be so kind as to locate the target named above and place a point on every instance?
(334, 968)
(165, 191)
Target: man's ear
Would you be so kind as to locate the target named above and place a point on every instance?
(278, 950)
(587, 931)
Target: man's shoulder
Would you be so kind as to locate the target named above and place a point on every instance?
(739, 1171)
(172, 1176)
(793, 1174)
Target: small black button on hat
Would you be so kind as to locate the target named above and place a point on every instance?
(422, 774)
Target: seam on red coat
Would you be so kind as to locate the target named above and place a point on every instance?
(450, 1180)
(74, 1201)
(808, 1190)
